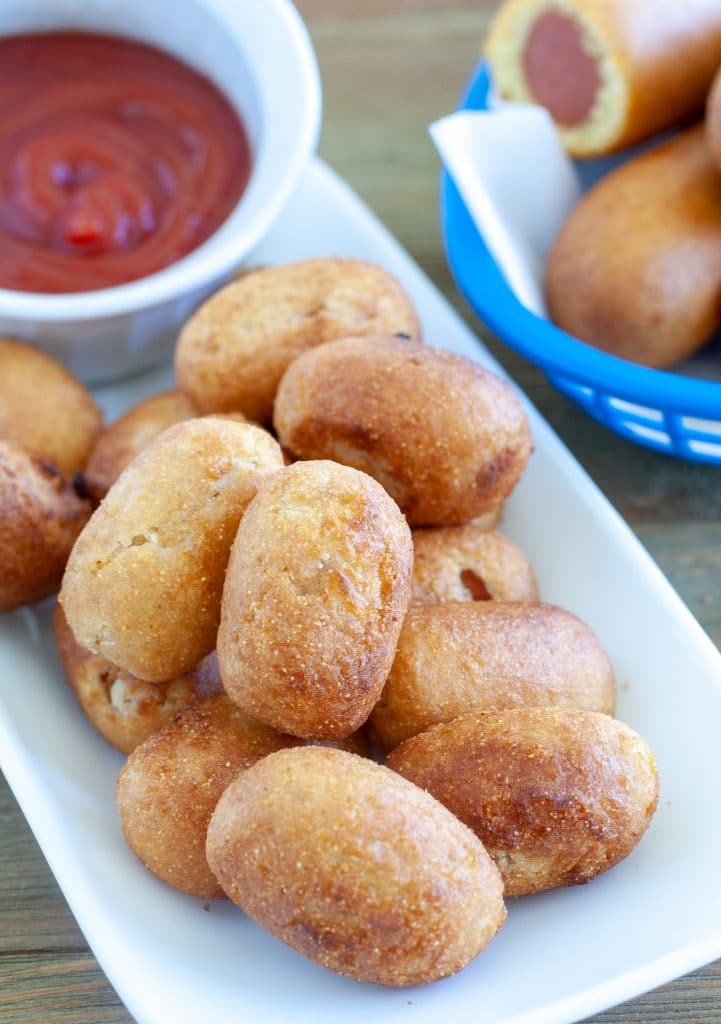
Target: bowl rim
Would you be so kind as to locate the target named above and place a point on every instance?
(198, 267)
(482, 282)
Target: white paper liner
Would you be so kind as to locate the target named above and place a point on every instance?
(518, 184)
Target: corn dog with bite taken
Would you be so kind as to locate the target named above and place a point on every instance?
(610, 72)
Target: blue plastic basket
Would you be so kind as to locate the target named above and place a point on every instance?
(664, 411)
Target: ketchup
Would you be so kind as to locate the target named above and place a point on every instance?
(116, 160)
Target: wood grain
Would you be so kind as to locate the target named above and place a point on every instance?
(389, 68)
(61, 988)
(315, 11)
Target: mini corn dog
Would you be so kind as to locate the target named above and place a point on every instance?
(610, 72)
(636, 269)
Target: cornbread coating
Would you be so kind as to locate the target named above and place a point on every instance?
(123, 709)
(357, 743)
(457, 658)
(40, 517)
(171, 783)
(650, 64)
(355, 868)
(317, 586)
(556, 795)
(119, 443)
(650, 292)
(144, 583)
(233, 351)
(468, 563)
(117, 446)
(44, 408)
(447, 439)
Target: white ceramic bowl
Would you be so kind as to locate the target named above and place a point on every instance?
(258, 52)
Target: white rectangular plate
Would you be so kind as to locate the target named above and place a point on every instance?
(560, 956)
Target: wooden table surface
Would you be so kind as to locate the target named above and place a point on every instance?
(389, 68)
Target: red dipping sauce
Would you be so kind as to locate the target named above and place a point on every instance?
(116, 160)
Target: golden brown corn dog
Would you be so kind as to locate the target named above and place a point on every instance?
(636, 269)
(610, 72)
